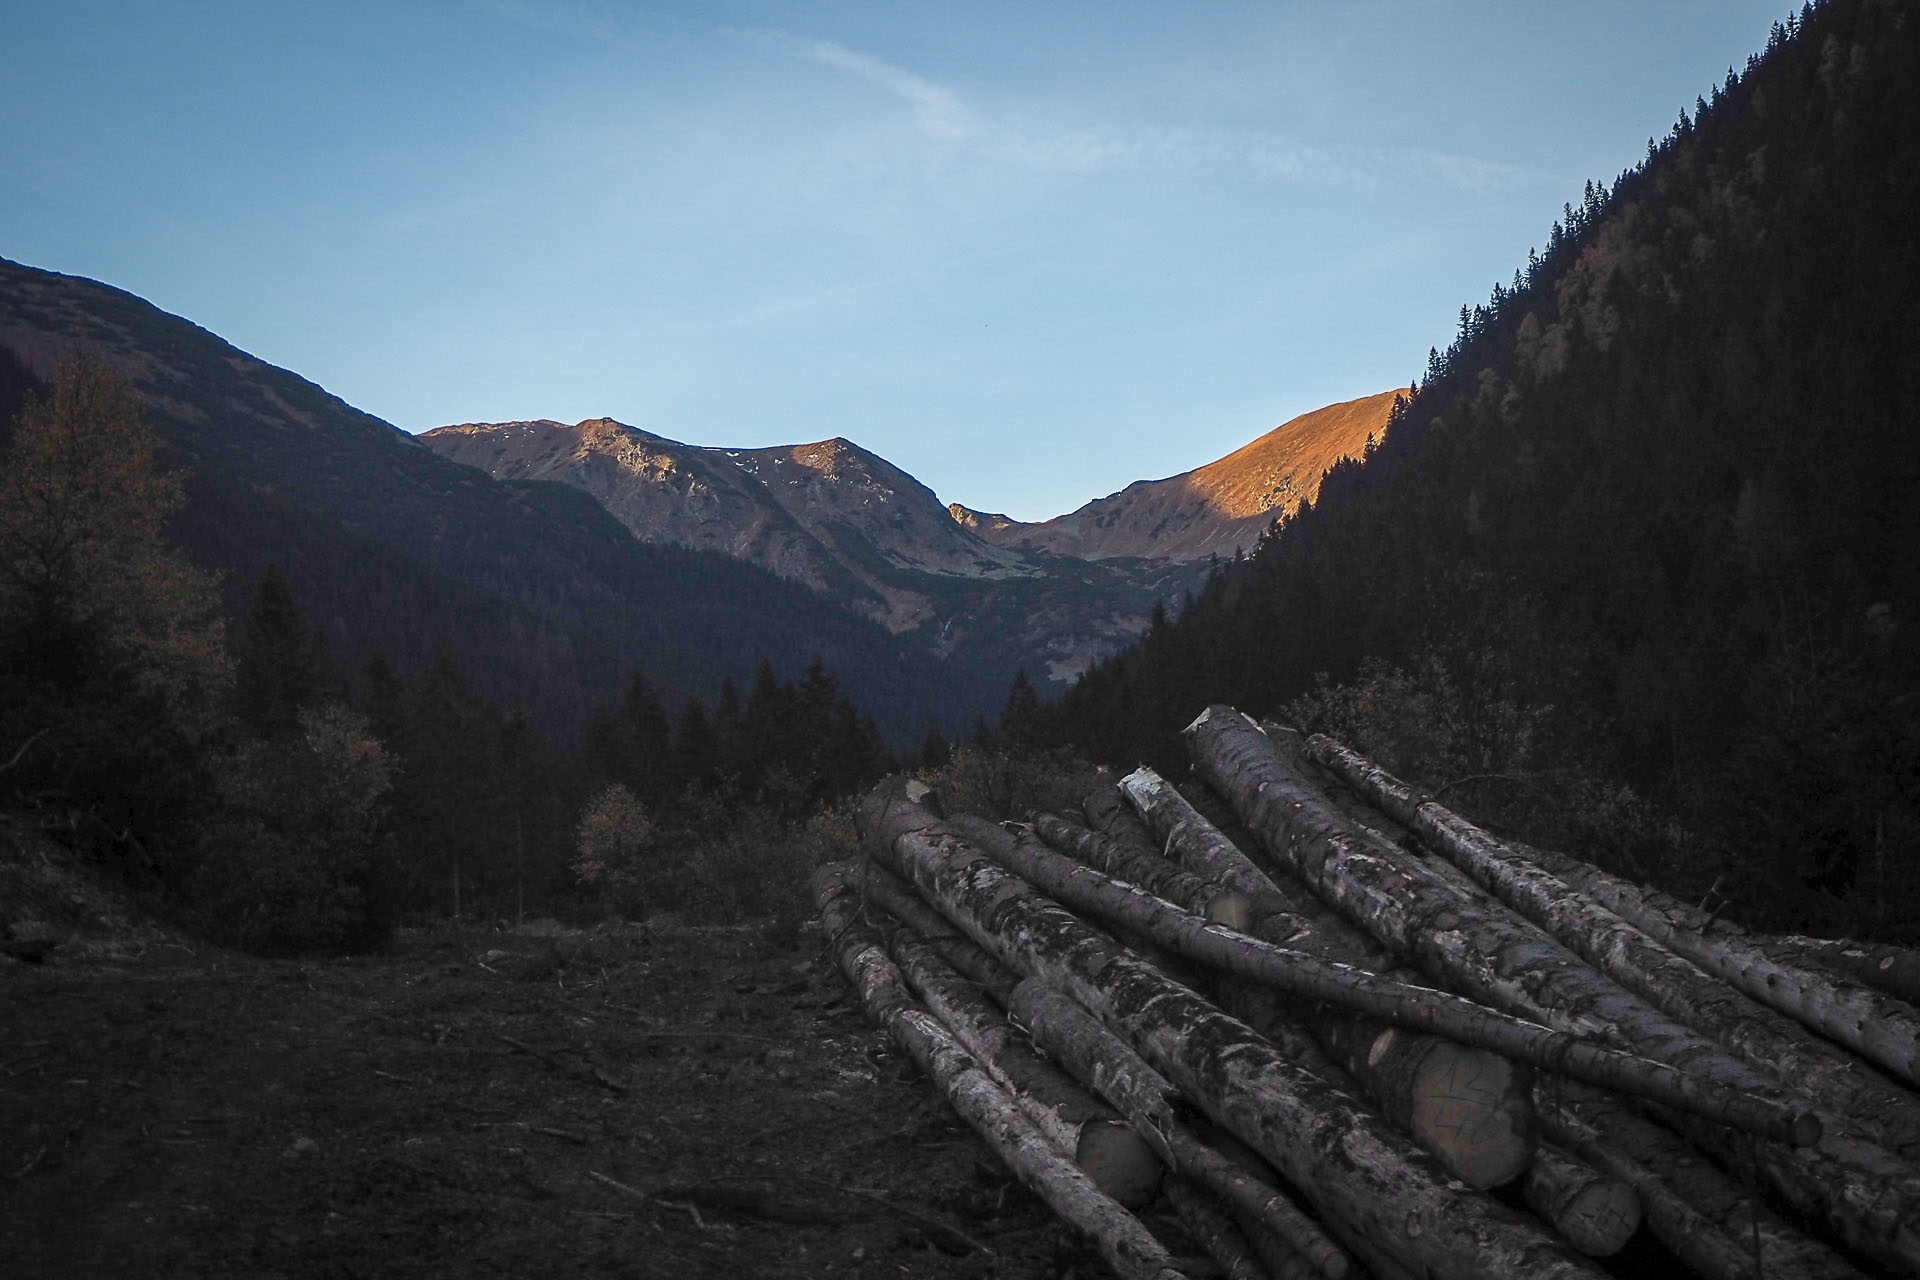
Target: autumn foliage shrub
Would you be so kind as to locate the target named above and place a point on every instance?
(294, 859)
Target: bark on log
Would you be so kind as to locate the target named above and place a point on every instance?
(1148, 870)
(1894, 970)
(1106, 1148)
(1275, 1254)
(1414, 1008)
(1128, 1247)
(1199, 845)
(1109, 1066)
(1466, 1105)
(1697, 1211)
(894, 895)
(1869, 1196)
(1213, 1231)
(1878, 1026)
(1106, 1064)
(1597, 1212)
(1766, 1038)
(1345, 1157)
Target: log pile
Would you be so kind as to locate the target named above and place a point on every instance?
(1296, 1015)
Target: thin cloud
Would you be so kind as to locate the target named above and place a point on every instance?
(943, 115)
(939, 111)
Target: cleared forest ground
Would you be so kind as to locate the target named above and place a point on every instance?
(464, 1105)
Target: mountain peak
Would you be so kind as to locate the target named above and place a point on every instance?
(1217, 509)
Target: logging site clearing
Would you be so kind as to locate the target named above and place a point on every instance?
(675, 1101)
(1286, 1018)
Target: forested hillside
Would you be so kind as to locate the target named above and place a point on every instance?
(1638, 562)
(541, 595)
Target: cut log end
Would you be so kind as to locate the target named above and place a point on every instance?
(1602, 1218)
(1231, 910)
(1595, 1212)
(1470, 1109)
(1119, 1162)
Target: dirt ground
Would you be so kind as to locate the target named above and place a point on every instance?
(626, 1101)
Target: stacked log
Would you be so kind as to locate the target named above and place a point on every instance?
(1869, 1195)
(1366, 1179)
(1129, 1248)
(1306, 1021)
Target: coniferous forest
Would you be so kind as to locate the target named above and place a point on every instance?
(1637, 565)
(1633, 569)
(1510, 868)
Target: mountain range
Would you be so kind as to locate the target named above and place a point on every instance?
(688, 562)
(1051, 597)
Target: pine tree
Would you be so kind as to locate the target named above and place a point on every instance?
(279, 663)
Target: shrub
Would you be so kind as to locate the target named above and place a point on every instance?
(296, 858)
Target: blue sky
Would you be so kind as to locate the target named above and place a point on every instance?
(1030, 252)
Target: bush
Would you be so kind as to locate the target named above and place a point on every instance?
(296, 859)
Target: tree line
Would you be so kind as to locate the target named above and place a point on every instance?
(1637, 566)
(282, 799)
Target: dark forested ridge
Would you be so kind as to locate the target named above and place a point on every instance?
(540, 594)
(1641, 551)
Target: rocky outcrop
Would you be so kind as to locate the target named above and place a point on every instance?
(1215, 510)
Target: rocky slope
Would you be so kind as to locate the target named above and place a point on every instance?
(832, 515)
(1215, 510)
(540, 595)
(1051, 597)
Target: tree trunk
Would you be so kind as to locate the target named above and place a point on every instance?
(1764, 1037)
(1894, 970)
(1109, 1066)
(1878, 1026)
(1199, 845)
(1414, 1008)
(1148, 870)
(1868, 1195)
(1213, 1231)
(1691, 1206)
(1466, 1105)
(1344, 1157)
(1275, 1254)
(1118, 1160)
(966, 956)
(1597, 1212)
(1122, 1240)
(1106, 1064)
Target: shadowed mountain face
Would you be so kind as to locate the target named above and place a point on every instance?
(832, 515)
(1051, 597)
(689, 562)
(1215, 510)
(535, 589)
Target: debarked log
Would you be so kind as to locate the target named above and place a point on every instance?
(1765, 1037)
(1340, 1154)
(1128, 1247)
